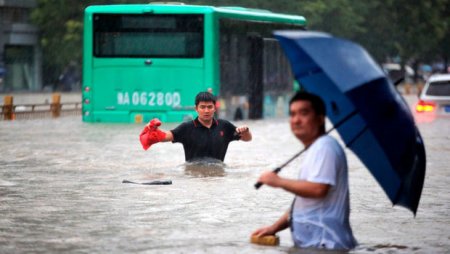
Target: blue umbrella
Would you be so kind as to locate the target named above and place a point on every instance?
(369, 114)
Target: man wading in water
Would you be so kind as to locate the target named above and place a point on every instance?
(319, 216)
(203, 137)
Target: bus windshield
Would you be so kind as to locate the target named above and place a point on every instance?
(143, 36)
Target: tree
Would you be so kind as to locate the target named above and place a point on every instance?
(415, 31)
(60, 32)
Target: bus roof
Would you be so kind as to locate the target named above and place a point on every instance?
(223, 11)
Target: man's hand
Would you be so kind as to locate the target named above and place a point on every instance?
(281, 224)
(153, 124)
(269, 178)
(151, 134)
(244, 133)
(242, 129)
(264, 231)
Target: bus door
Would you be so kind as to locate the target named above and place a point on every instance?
(255, 75)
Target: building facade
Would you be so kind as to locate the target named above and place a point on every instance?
(20, 54)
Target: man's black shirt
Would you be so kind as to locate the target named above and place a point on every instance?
(200, 142)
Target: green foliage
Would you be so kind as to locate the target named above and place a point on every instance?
(61, 30)
(416, 30)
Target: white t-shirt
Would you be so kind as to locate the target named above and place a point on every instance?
(324, 222)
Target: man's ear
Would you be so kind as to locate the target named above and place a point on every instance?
(322, 120)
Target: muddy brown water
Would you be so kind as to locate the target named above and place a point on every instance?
(61, 190)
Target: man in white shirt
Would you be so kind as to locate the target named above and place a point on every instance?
(319, 216)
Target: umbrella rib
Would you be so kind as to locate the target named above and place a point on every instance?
(345, 119)
(357, 136)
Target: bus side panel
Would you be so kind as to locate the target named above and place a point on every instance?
(130, 91)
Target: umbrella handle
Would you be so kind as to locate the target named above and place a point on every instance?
(259, 184)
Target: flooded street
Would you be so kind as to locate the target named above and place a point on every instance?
(61, 190)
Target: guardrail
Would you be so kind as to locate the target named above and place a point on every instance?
(9, 111)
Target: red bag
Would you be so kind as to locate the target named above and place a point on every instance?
(151, 134)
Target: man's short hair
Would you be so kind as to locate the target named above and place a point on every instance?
(316, 102)
(205, 97)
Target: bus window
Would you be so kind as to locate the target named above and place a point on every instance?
(143, 36)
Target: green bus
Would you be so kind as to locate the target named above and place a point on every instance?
(142, 61)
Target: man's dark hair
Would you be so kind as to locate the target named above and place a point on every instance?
(316, 102)
(205, 97)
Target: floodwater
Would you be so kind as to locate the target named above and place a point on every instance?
(61, 190)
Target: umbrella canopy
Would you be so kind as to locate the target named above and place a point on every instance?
(370, 115)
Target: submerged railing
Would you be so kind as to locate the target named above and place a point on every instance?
(9, 111)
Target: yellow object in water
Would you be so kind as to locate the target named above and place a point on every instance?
(270, 240)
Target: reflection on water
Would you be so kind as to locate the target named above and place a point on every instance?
(61, 190)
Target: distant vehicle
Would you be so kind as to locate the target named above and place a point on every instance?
(395, 73)
(142, 61)
(435, 96)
